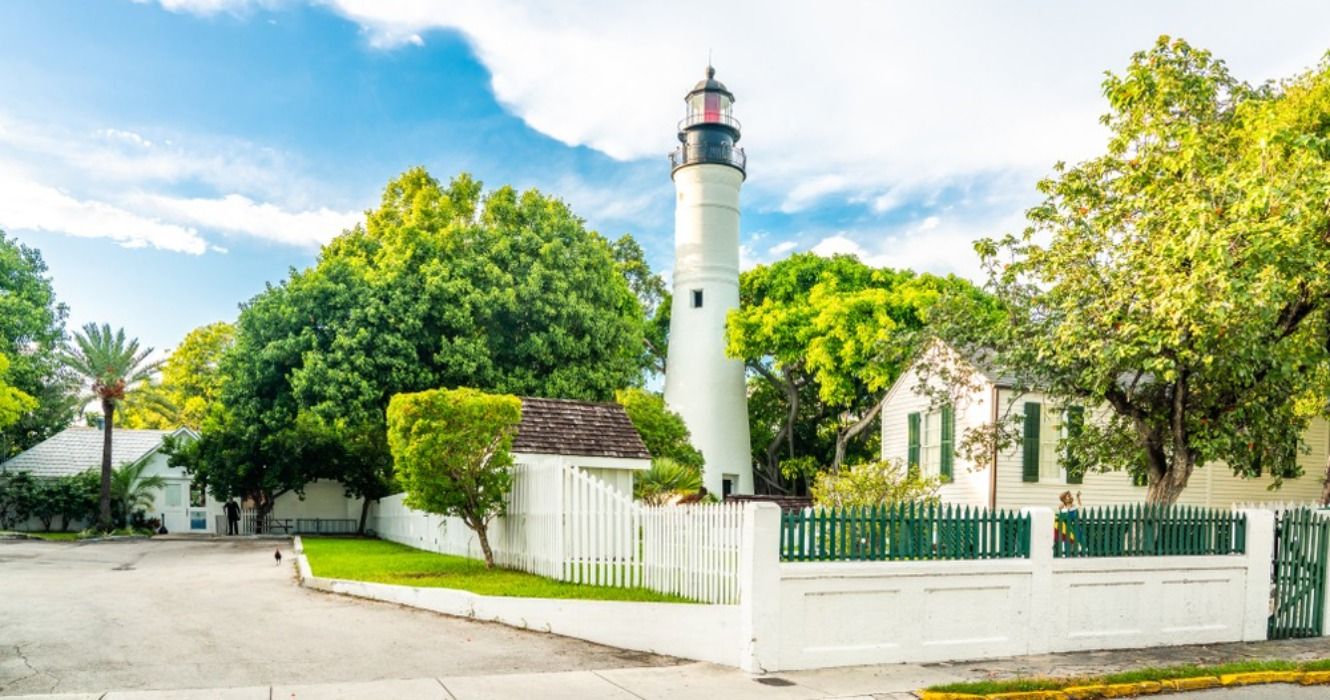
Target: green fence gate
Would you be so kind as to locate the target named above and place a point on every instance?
(1301, 540)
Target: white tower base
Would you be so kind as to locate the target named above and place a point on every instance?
(702, 383)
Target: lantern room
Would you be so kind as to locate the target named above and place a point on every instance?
(708, 131)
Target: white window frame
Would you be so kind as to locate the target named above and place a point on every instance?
(1052, 425)
(930, 443)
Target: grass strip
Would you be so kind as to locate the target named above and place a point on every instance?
(1162, 673)
(379, 561)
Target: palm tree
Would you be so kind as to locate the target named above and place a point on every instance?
(665, 481)
(132, 490)
(113, 366)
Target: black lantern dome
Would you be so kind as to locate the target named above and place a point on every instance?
(708, 132)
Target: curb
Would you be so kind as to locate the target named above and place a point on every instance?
(1102, 691)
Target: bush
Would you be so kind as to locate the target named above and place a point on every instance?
(881, 483)
(664, 480)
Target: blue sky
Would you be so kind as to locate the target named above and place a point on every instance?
(169, 158)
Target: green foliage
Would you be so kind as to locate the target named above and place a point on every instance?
(74, 498)
(662, 430)
(652, 295)
(442, 286)
(451, 452)
(17, 492)
(14, 402)
(665, 480)
(825, 337)
(32, 330)
(1178, 279)
(880, 483)
(132, 491)
(191, 383)
(377, 561)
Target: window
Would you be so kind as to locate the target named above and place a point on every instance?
(697, 298)
(931, 444)
(1050, 432)
(727, 485)
(174, 496)
(198, 496)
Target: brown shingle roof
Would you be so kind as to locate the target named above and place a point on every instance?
(567, 427)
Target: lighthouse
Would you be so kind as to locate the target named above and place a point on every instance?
(702, 384)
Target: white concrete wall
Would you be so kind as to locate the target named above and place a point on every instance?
(702, 384)
(700, 632)
(853, 613)
(325, 498)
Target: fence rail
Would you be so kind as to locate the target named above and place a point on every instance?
(904, 532)
(1145, 530)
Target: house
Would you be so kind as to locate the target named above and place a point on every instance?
(598, 439)
(915, 432)
(180, 504)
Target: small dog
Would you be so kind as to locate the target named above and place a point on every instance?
(277, 557)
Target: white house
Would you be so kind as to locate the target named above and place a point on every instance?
(181, 506)
(1018, 478)
(595, 438)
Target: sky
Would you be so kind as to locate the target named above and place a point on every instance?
(170, 157)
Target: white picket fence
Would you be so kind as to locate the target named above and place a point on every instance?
(566, 524)
(1278, 506)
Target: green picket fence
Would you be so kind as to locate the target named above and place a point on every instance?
(1302, 546)
(1145, 530)
(909, 531)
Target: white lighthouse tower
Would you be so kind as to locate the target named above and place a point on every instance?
(701, 383)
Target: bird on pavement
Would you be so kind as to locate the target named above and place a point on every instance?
(277, 557)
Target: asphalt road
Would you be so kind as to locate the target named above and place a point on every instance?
(1262, 692)
(219, 613)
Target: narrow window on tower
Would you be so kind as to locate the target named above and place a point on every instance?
(697, 298)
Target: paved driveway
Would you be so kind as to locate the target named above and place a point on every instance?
(207, 614)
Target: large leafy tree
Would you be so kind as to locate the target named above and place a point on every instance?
(452, 449)
(1179, 280)
(32, 331)
(111, 364)
(663, 431)
(443, 286)
(824, 338)
(191, 382)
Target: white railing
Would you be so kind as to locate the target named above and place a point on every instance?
(566, 524)
(693, 551)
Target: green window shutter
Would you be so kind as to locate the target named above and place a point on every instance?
(1075, 423)
(1030, 444)
(948, 447)
(912, 458)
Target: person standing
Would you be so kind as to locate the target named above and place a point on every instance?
(232, 517)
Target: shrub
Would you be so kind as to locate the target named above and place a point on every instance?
(880, 483)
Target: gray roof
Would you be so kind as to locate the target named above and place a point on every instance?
(78, 449)
(566, 427)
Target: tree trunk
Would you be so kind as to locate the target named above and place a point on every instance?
(482, 534)
(843, 437)
(1325, 485)
(364, 515)
(262, 509)
(104, 510)
(1167, 486)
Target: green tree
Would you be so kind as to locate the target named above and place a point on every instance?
(191, 382)
(75, 497)
(662, 430)
(666, 479)
(441, 287)
(17, 492)
(32, 331)
(876, 483)
(131, 490)
(1178, 279)
(451, 450)
(13, 401)
(111, 365)
(651, 294)
(826, 336)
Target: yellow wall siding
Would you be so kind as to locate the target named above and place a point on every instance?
(1211, 485)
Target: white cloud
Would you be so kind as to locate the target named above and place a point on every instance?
(864, 98)
(927, 245)
(26, 204)
(235, 213)
(781, 248)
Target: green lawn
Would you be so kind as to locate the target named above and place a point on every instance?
(57, 536)
(378, 561)
(1141, 674)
